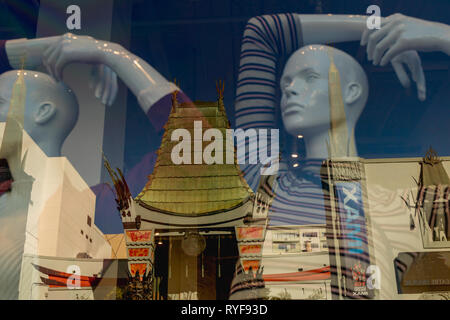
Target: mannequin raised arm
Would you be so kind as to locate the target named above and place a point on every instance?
(332, 28)
(27, 51)
(142, 79)
(28, 54)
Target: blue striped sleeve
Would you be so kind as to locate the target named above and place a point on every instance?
(266, 40)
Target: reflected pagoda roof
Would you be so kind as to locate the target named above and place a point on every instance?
(194, 189)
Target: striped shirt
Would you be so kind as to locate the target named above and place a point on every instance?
(266, 41)
(298, 196)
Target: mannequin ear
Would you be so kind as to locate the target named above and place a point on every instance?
(44, 113)
(352, 92)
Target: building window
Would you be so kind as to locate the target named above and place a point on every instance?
(286, 247)
(310, 234)
(89, 221)
(87, 237)
(90, 240)
(82, 232)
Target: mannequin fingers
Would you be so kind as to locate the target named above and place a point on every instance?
(393, 51)
(385, 25)
(59, 66)
(369, 49)
(391, 21)
(100, 83)
(114, 89)
(96, 80)
(365, 36)
(103, 82)
(94, 77)
(107, 87)
(383, 45)
(415, 65)
(52, 56)
(49, 50)
(401, 74)
(374, 38)
(421, 86)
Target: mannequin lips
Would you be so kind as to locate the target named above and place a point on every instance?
(292, 108)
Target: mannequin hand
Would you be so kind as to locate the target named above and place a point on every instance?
(412, 60)
(104, 82)
(400, 33)
(70, 48)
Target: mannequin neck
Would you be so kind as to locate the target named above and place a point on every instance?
(50, 148)
(316, 143)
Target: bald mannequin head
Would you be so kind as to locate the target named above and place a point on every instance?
(305, 106)
(51, 109)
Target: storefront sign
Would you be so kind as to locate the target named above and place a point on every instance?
(353, 240)
(249, 233)
(139, 236)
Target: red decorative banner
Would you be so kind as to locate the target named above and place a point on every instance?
(254, 264)
(250, 233)
(250, 249)
(141, 267)
(139, 236)
(138, 252)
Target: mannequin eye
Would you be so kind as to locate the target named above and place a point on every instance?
(311, 77)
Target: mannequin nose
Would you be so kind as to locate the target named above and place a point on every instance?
(291, 91)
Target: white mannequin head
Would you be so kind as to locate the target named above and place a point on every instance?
(305, 106)
(51, 109)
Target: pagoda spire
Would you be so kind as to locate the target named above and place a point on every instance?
(11, 146)
(220, 87)
(174, 96)
(339, 144)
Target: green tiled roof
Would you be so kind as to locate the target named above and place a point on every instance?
(194, 189)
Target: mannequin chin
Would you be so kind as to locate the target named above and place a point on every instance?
(305, 106)
(51, 109)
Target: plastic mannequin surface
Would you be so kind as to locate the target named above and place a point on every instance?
(305, 106)
(51, 109)
(399, 33)
(28, 54)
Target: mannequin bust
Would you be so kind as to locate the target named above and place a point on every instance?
(51, 109)
(310, 107)
(305, 103)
